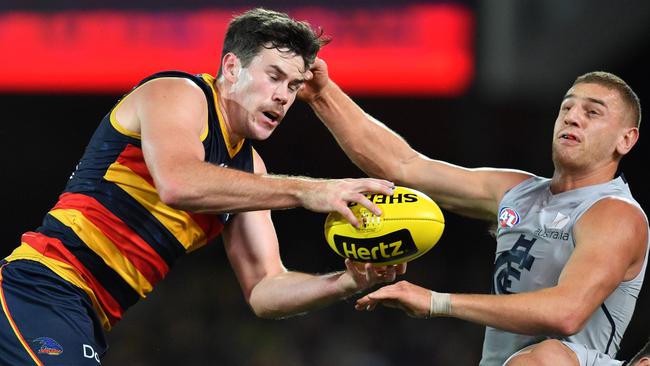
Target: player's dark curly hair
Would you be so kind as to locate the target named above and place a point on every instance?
(257, 28)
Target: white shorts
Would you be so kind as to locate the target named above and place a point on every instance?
(586, 356)
(590, 357)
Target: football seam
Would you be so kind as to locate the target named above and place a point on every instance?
(401, 219)
(410, 218)
(407, 219)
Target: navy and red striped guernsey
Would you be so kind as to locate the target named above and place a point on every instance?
(109, 233)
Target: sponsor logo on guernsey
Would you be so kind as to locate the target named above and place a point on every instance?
(559, 222)
(89, 352)
(48, 346)
(508, 217)
(554, 229)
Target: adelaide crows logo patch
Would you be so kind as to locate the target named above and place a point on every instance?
(48, 346)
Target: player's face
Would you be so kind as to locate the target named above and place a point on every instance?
(589, 125)
(264, 91)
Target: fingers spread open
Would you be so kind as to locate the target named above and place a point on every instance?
(380, 186)
(365, 303)
(349, 216)
(365, 202)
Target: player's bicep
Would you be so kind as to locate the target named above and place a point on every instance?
(252, 248)
(469, 192)
(610, 241)
(172, 114)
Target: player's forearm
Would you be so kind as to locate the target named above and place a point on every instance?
(293, 293)
(540, 312)
(228, 190)
(367, 142)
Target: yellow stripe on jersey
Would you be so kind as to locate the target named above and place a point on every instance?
(117, 126)
(63, 270)
(178, 222)
(232, 150)
(104, 247)
(204, 134)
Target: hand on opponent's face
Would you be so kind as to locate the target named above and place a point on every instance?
(316, 79)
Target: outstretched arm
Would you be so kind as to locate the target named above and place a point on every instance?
(170, 116)
(274, 292)
(605, 255)
(381, 152)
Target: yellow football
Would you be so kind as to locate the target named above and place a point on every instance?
(411, 223)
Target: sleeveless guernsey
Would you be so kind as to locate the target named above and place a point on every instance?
(534, 242)
(109, 233)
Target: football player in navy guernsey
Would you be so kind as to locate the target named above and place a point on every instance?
(563, 268)
(169, 168)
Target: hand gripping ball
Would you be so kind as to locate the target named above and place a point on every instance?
(410, 225)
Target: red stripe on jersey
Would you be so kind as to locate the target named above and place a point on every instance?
(54, 248)
(131, 245)
(132, 158)
(210, 224)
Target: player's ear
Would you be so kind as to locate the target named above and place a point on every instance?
(627, 141)
(230, 66)
(644, 361)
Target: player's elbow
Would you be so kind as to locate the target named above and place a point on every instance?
(175, 194)
(171, 194)
(567, 323)
(260, 305)
(260, 311)
(264, 311)
(566, 328)
(383, 166)
(267, 304)
(383, 170)
(391, 170)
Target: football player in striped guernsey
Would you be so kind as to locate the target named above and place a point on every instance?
(170, 167)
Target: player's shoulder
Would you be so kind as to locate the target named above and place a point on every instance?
(177, 75)
(170, 90)
(505, 181)
(616, 217)
(160, 96)
(620, 207)
(172, 84)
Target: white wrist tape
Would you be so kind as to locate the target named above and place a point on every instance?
(440, 304)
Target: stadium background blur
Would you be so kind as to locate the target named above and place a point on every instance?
(497, 111)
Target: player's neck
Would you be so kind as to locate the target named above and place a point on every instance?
(568, 179)
(226, 113)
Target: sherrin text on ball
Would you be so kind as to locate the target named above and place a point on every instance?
(411, 223)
